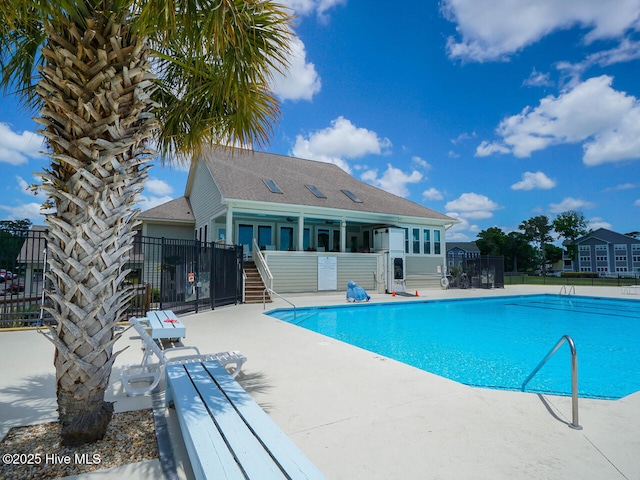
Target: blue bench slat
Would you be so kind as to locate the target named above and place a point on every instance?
(249, 452)
(207, 450)
(288, 455)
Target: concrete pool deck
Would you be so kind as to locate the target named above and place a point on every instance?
(358, 415)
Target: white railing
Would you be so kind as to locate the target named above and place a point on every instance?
(261, 265)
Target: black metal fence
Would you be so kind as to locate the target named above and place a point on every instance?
(485, 271)
(22, 260)
(180, 275)
(183, 275)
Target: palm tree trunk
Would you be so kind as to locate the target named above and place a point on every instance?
(95, 85)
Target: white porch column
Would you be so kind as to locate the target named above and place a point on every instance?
(343, 235)
(301, 233)
(229, 237)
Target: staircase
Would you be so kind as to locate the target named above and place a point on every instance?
(253, 286)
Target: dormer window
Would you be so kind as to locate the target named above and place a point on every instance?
(272, 186)
(351, 195)
(315, 191)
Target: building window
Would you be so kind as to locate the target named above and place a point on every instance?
(415, 240)
(600, 258)
(336, 240)
(272, 186)
(264, 236)
(406, 240)
(286, 238)
(315, 191)
(621, 258)
(306, 239)
(323, 240)
(436, 242)
(426, 241)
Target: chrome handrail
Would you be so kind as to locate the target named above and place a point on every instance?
(574, 376)
(264, 300)
(568, 292)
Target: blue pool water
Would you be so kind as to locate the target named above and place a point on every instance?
(496, 342)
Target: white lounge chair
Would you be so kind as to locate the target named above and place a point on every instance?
(149, 374)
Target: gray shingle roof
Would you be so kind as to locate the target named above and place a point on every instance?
(469, 247)
(178, 209)
(240, 175)
(607, 236)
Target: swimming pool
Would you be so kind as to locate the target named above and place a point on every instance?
(496, 342)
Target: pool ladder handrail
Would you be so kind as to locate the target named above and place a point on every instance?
(571, 290)
(574, 376)
(273, 292)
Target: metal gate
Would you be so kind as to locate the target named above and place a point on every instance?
(184, 275)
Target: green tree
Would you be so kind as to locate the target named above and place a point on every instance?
(571, 225)
(553, 254)
(633, 234)
(11, 240)
(517, 251)
(111, 79)
(537, 230)
(491, 241)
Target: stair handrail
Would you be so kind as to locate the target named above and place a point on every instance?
(574, 376)
(261, 265)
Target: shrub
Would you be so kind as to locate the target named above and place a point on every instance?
(579, 275)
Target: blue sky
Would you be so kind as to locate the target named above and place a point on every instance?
(491, 111)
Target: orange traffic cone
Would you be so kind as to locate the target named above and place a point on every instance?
(417, 293)
(393, 294)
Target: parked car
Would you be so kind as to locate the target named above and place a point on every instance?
(11, 287)
(6, 274)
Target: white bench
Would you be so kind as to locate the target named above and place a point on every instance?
(164, 324)
(226, 434)
(142, 379)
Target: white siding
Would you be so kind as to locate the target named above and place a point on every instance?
(298, 271)
(206, 200)
(182, 232)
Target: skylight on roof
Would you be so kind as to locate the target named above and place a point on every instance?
(351, 195)
(315, 191)
(271, 185)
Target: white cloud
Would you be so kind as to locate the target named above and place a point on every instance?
(598, 222)
(485, 149)
(146, 202)
(531, 180)
(606, 121)
(636, 203)
(570, 203)
(421, 163)
(17, 148)
(30, 210)
(23, 186)
(627, 50)
(157, 187)
(309, 7)
(393, 180)
(472, 206)
(457, 232)
(432, 194)
(538, 79)
(494, 29)
(622, 186)
(342, 140)
(301, 81)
